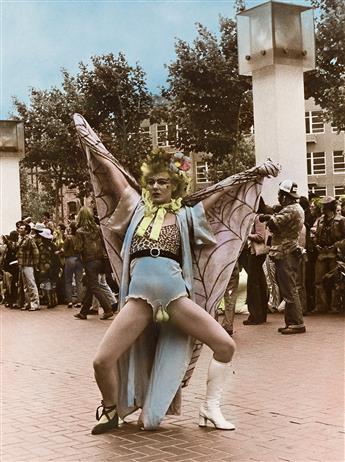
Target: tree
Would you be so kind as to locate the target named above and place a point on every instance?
(111, 95)
(116, 102)
(51, 142)
(35, 201)
(327, 82)
(208, 99)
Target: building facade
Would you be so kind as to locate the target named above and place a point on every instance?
(325, 153)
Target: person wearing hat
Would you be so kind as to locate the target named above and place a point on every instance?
(286, 225)
(330, 246)
(39, 227)
(48, 266)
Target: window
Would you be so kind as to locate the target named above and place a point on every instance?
(202, 172)
(72, 208)
(314, 122)
(172, 134)
(34, 177)
(338, 161)
(339, 191)
(318, 190)
(167, 135)
(162, 135)
(316, 164)
(335, 128)
(307, 122)
(145, 133)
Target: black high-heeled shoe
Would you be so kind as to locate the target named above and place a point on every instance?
(112, 422)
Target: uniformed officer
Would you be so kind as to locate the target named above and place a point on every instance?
(285, 226)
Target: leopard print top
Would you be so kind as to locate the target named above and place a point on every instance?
(169, 240)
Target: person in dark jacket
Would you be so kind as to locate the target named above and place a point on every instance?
(89, 244)
(73, 265)
(330, 245)
(286, 226)
(49, 266)
(257, 291)
(10, 266)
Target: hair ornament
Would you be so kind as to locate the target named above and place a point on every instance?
(180, 163)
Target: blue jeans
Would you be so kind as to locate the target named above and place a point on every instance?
(287, 272)
(73, 266)
(93, 287)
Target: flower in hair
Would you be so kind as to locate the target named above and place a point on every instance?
(180, 163)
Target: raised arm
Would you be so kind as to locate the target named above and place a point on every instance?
(211, 196)
(108, 176)
(116, 191)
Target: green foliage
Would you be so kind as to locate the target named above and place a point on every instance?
(34, 201)
(208, 100)
(237, 161)
(51, 142)
(327, 83)
(114, 99)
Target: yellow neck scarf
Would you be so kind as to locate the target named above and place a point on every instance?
(156, 213)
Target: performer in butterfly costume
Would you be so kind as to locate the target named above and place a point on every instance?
(141, 363)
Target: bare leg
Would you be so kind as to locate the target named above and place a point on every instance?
(119, 337)
(195, 321)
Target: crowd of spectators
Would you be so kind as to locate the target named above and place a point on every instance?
(320, 262)
(44, 263)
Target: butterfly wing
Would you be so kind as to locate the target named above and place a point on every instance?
(230, 216)
(110, 180)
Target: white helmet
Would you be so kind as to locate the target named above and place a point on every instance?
(289, 187)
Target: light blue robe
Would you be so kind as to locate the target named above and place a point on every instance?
(150, 373)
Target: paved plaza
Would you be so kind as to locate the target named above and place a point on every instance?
(286, 396)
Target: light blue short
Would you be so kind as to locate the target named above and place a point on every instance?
(158, 281)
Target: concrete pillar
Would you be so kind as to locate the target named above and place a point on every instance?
(10, 204)
(11, 152)
(278, 97)
(276, 44)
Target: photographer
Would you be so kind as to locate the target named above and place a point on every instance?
(285, 226)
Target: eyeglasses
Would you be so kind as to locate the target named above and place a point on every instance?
(159, 181)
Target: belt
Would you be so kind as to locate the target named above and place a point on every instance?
(154, 253)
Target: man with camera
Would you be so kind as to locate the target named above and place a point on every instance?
(285, 226)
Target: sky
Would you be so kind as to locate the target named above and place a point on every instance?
(39, 38)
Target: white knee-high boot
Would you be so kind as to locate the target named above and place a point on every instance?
(210, 409)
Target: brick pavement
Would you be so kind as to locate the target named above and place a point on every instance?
(286, 396)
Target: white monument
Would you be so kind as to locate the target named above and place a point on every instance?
(275, 46)
(11, 152)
